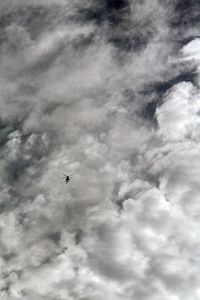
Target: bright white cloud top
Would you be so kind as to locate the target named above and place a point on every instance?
(90, 89)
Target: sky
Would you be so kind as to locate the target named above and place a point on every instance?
(109, 92)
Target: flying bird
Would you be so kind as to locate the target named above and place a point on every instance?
(67, 178)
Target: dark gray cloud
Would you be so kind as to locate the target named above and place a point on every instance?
(107, 91)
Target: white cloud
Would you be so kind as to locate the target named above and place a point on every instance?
(191, 50)
(126, 225)
(178, 118)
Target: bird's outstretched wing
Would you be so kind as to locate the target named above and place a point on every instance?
(65, 175)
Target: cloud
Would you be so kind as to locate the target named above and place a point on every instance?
(178, 116)
(76, 79)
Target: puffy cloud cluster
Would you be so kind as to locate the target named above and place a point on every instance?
(90, 89)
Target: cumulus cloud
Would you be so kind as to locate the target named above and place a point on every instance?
(105, 91)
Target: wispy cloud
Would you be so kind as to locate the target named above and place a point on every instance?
(107, 92)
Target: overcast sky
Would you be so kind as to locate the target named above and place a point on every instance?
(108, 91)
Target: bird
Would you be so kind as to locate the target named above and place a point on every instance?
(67, 178)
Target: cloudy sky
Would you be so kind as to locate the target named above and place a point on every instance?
(108, 91)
